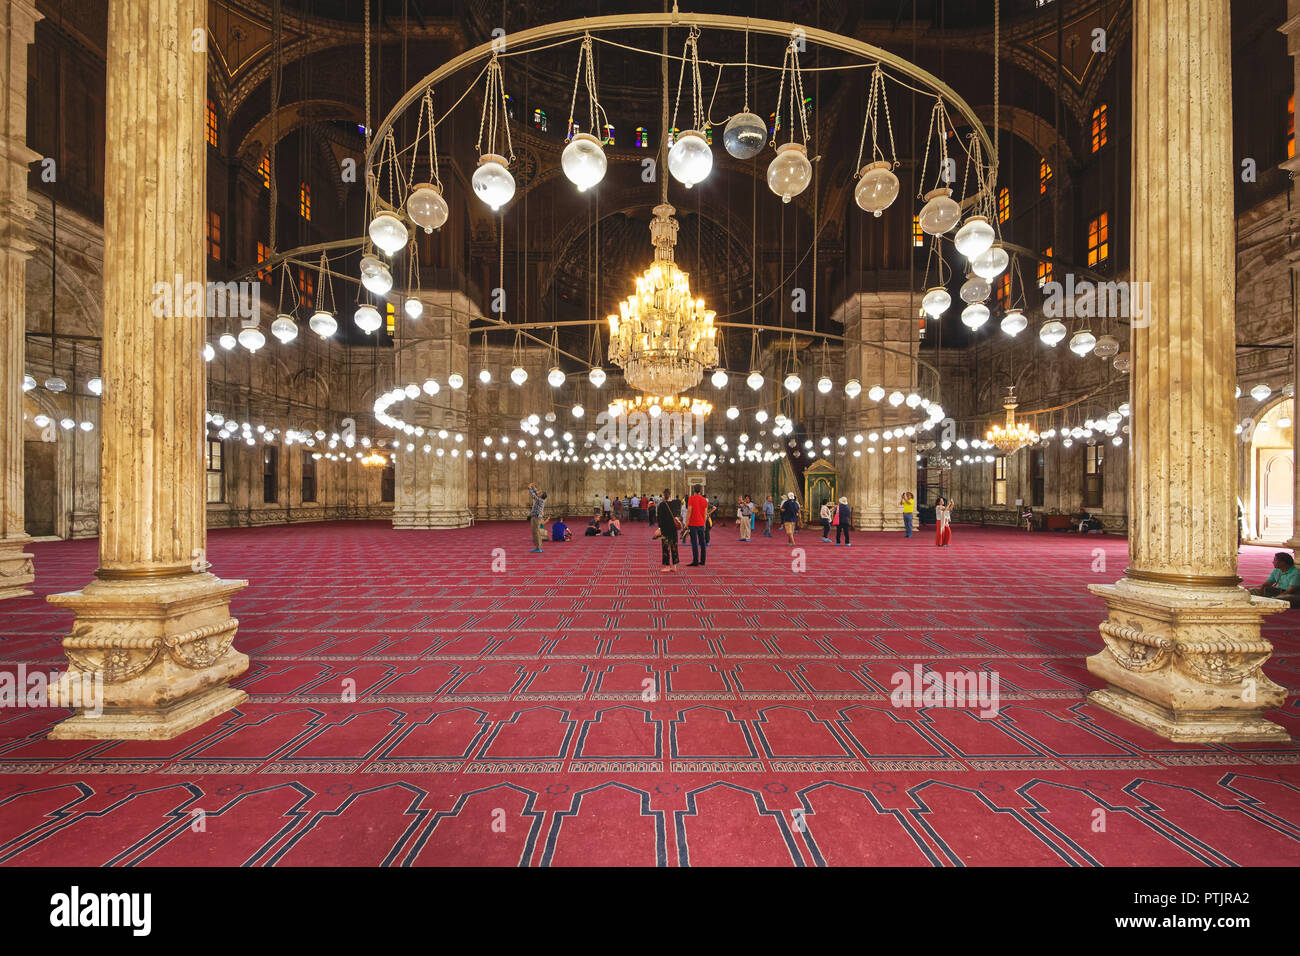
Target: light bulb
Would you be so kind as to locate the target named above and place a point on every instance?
(1014, 322)
(745, 135)
(413, 306)
(426, 207)
(251, 338)
(583, 161)
(975, 315)
(755, 380)
(1106, 347)
(95, 386)
(913, 400)
(792, 382)
(1052, 333)
(876, 394)
(555, 378)
(824, 385)
(430, 387)
(1259, 393)
(1122, 362)
(323, 324)
(877, 188)
(719, 378)
(367, 319)
(455, 380)
(518, 375)
(284, 328)
(690, 159)
(388, 232)
(484, 376)
(375, 275)
(1082, 343)
(790, 172)
(975, 237)
(733, 413)
(227, 341)
(990, 263)
(936, 301)
(940, 212)
(578, 411)
(974, 289)
(895, 398)
(29, 383)
(596, 376)
(492, 181)
(412, 390)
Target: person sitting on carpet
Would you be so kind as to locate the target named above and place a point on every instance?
(593, 526)
(615, 528)
(1284, 582)
(560, 531)
(1087, 521)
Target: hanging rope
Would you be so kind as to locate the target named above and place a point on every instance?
(496, 114)
(594, 110)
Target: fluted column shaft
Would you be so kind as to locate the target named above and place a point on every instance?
(152, 519)
(1292, 30)
(17, 30)
(1182, 493)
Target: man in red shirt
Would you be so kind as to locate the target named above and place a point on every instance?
(697, 510)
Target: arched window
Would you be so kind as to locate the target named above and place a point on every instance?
(539, 120)
(641, 137)
(609, 135)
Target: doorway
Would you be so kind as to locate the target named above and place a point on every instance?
(1273, 478)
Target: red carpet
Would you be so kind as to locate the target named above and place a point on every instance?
(499, 716)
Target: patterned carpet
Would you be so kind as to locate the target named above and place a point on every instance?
(580, 707)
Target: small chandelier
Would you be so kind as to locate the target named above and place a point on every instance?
(374, 460)
(663, 339)
(667, 403)
(1013, 436)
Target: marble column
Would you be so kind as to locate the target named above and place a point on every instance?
(154, 626)
(875, 481)
(432, 490)
(1292, 30)
(1183, 649)
(17, 30)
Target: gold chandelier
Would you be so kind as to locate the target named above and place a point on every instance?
(681, 404)
(374, 460)
(662, 338)
(1012, 436)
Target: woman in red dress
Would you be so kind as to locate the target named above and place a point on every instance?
(942, 517)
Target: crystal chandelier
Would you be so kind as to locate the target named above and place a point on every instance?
(1013, 436)
(374, 460)
(667, 403)
(662, 338)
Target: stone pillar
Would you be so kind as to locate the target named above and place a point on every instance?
(875, 481)
(1184, 652)
(1292, 30)
(154, 625)
(17, 30)
(432, 491)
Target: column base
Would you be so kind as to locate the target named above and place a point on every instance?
(148, 659)
(1186, 663)
(16, 568)
(408, 520)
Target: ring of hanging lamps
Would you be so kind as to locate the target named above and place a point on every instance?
(388, 232)
(555, 377)
(940, 212)
(583, 161)
(1014, 322)
(1081, 343)
(251, 338)
(596, 376)
(975, 237)
(719, 378)
(492, 181)
(1052, 333)
(375, 275)
(974, 315)
(755, 380)
(935, 302)
(790, 172)
(413, 306)
(990, 263)
(284, 328)
(745, 135)
(690, 160)
(367, 318)
(974, 289)
(323, 324)
(518, 375)
(426, 207)
(877, 188)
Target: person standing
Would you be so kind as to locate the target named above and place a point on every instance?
(669, 524)
(790, 516)
(606, 505)
(825, 515)
(742, 518)
(536, 504)
(769, 512)
(909, 509)
(618, 509)
(697, 519)
(844, 514)
(942, 521)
